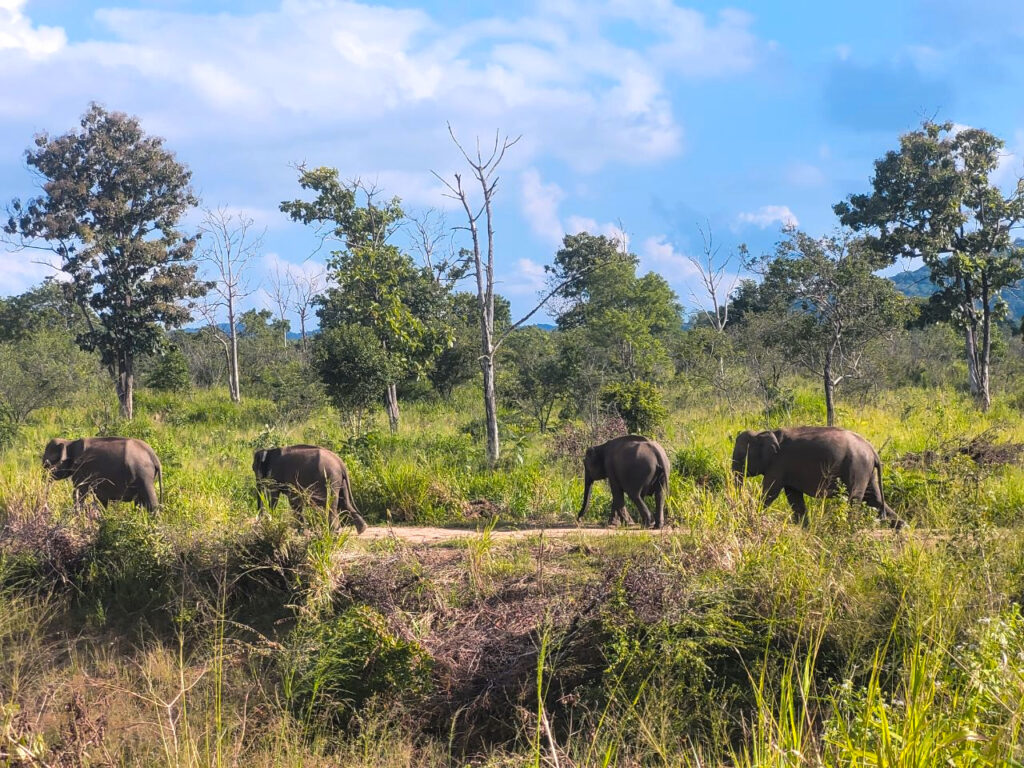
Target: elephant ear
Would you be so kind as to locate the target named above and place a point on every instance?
(769, 443)
(258, 458)
(269, 457)
(73, 451)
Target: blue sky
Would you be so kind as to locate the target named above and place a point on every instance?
(654, 115)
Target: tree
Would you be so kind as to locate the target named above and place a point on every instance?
(228, 248)
(376, 285)
(112, 199)
(305, 289)
(171, 372)
(617, 325)
(934, 198)
(43, 368)
(828, 303)
(538, 379)
(480, 265)
(279, 289)
(49, 305)
(355, 368)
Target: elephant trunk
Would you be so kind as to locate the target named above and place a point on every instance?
(589, 482)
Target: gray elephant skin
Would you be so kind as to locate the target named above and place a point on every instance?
(307, 474)
(812, 461)
(635, 467)
(113, 468)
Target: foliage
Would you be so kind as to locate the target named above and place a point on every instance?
(538, 378)
(42, 369)
(825, 305)
(639, 403)
(48, 306)
(171, 372)
(934, 198)
(459, 362)
(112, 200)
(355, 369)
(333, 667)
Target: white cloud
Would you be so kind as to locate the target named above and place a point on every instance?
(23, 269)
(768, 215)
(576, 224)
(350, 78)
(540, 203)
(19, 35)
(662, 257)
(528, 278)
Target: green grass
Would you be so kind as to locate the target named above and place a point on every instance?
(208, 636)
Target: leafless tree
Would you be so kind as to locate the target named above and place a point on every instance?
(227, 248)
(716, 280)
(279, 288)
(433, 240)
(481, 262)
(304, 288)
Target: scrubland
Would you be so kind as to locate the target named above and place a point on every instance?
(207, 636)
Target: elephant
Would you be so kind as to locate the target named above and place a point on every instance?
(113, 468)
(635, 467)
(812, 461)
(306, 474)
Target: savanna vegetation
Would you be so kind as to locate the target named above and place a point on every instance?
(206, 634)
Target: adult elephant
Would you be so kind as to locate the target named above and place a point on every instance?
(812, 461)
(112, 468)
(306, 474)
(634, 466)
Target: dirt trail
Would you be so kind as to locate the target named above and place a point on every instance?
(412, 534)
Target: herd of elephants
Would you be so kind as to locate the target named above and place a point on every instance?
(816, 461)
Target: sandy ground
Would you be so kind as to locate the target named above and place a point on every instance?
(425, 535)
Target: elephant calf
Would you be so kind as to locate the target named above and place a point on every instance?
(635, 467)
(812, 461)
(113, 468)
(307, 474)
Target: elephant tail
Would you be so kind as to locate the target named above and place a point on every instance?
(160, 480)
(353, 511)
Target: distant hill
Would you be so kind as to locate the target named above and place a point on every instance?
(918, 284)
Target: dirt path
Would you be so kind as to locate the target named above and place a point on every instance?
(413, 534)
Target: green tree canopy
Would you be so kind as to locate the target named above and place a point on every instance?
(934, 198)
(112, 200)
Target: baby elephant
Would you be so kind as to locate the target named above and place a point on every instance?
(113, 468)
(635, 467)
(307, 473)
(812, 461)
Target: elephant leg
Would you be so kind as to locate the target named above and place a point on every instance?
(659, 499)
(770, 491)
(619, 512)
(146, 496)
(798, 505)
(886, 514)
(638, 502)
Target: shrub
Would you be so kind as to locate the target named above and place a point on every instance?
(332, 668)
(638, 402)
(171, 372)
(700, 465)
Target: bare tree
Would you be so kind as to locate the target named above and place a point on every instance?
(716, 280)
(279, 288)
(480, 258)
(228, 247)
(305, 287)
(434, 241)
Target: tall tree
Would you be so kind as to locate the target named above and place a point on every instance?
(934, 198)
(112, 199)
(227, 248)
(481, 262)
(828, 304)
(305, 290)
(376, 285)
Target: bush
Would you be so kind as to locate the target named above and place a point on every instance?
(700, 465)
(638, 402)
(332, 668)
(171, 372)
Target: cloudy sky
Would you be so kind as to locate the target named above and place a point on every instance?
(648, 114)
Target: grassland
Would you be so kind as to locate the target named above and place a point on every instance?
(209, 637)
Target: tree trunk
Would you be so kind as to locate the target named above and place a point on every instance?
(126, 387)
(302, 328)
(392, 406)
(977, 378)
(234, 388)
(490, 410)
(830, 399)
